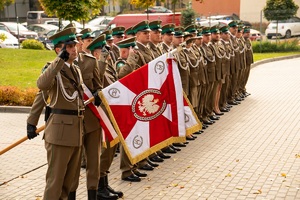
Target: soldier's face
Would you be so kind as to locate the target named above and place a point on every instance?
(143, 37)
(124, 53)
(118, 38)
(225, 36)
(85, 43)
(97, 53)
(155, 36)
(198, 41)
(246, 35)
(109, 42)
(72, 50)
(215, 36)
(79, 44)
(206, 39)
(177, 41)
(233, 30)
(167, 38)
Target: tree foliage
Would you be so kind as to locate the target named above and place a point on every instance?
(280, 9)
(4, 3)
(187, 17)
(72, 9)
(142, 3)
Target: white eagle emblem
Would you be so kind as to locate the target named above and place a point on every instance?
(148, 104)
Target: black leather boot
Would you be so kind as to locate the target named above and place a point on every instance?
(72, 196)
(103, 193)
(92, 194)
(119, 193)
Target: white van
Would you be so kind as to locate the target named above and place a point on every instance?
(38, 17)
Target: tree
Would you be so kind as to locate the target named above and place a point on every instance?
(142, 3)
(280, 10)
(79, 10)
(187, 17)
(4, 3)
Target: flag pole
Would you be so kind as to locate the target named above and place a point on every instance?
(40, 129)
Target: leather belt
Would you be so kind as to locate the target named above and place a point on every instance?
(67, 112)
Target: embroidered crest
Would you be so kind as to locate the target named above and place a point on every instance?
(159, 67)
(148, 105)
(114, 92)
(137, 141)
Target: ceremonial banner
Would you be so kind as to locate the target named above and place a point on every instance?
(146, 108)
(108, 130)
(192, 123)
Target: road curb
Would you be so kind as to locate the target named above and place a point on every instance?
(26, 109)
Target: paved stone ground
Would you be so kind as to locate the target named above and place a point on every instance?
(252, 152)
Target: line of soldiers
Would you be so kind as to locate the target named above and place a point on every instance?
(214, 64)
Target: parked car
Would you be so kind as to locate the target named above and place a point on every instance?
(286, 28)
(38, 17)
(100, 22)
(228, 18)
(255, 35)
(158, 9)
(3, 28)
(23, 32)
(41, 29)
(10, 41)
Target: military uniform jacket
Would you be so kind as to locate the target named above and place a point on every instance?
(203, 76)
(184, 70)
(115, 53)
(211, 62)
(110, 75)
(165, 48)
(38, 104)
(102, 68)
(155, 49)
(235, 65)
(65, 130)
(249, 52)
(226, 61)
(193, 63)
(242, 52)
(219, 51)
(136, 59)
(91, 78)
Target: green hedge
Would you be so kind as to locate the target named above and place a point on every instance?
(279, 46)
(32, 44)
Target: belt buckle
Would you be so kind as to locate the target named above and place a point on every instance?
(80, 112)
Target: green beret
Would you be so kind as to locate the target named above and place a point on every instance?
(142, 26)
(97, 43)
(86, 33)
(214, 29)
(168, 28)
(191, 28)
(129, 31)
(178, 31)
(155, 25)
(206, 31)
(233, 23)
(66, 36)
(246, 29)
(129, 42)
(224, 29)
(108, 34)
(119, 30)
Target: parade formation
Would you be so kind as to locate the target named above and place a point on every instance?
(214, 66)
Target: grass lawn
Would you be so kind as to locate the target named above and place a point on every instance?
(21, 67)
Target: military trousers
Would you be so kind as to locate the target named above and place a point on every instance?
(125, 164)
(106, 158)
(209, 99)
(63, 170)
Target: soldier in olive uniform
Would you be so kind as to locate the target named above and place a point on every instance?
(155, 37)
(249, 59)
(224, 33)
(129, 171)
(167, 37)
(118, 35)
(234, 63)
(97, 48)
(129, 32)
(209, 56)
(92, 129)
(135, 60)
(219, 51)
(62, 80)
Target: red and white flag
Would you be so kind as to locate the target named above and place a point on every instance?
(192, 123)
(147, 108)
(108, 130)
